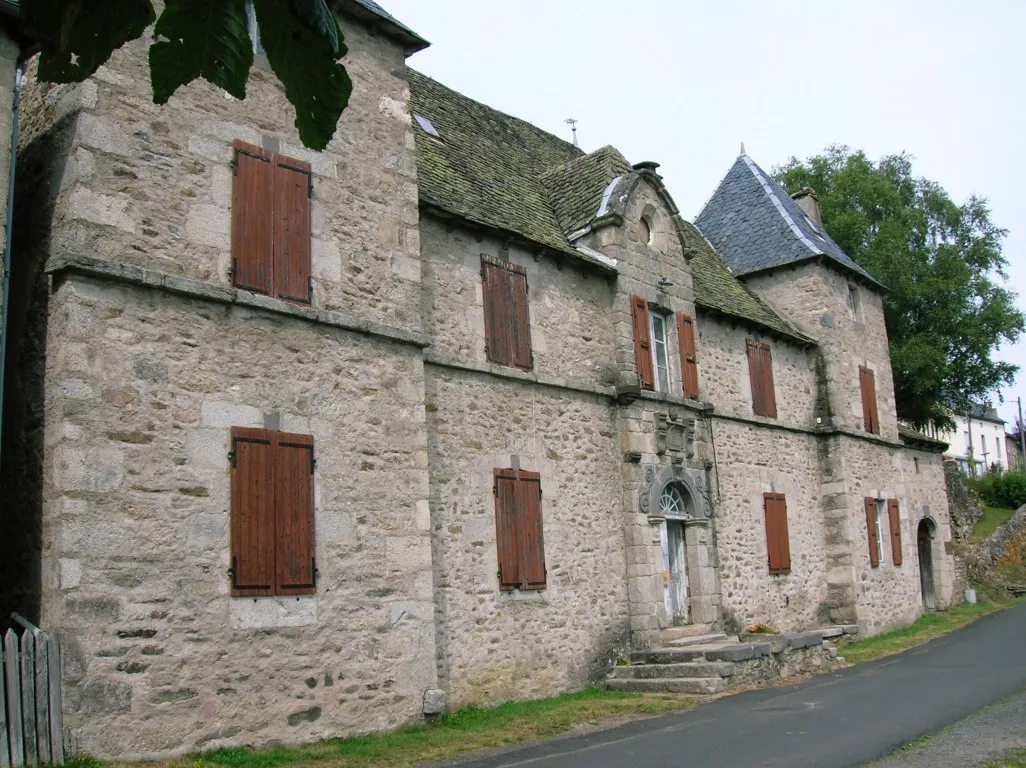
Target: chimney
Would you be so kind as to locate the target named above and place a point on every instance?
(809, 203)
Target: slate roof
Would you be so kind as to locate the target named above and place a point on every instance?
(398, 30)
(501, 172)
(755, 225)
(916, 439)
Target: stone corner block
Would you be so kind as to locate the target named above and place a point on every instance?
(434, 701)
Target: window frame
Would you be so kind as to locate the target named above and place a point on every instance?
(659, 341)
(879, 509)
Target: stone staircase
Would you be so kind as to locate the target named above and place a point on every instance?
(694, 659)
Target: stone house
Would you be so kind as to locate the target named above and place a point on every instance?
(309, 441)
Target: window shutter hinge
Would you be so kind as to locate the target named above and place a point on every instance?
(233, 454)
(234, 164)
(532, 358)
(309, 288)
(233, 267)
(313, 462)
(309, 185)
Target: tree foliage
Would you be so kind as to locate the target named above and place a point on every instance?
(947, 311)
(208, 39)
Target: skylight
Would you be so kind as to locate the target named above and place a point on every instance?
(424, 123)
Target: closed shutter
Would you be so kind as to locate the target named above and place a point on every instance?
(760, 373)
(642, 342)
(874, 551)
(292, 234)
(520, 317)
(688, 355)
(294, 514)
(252, 512)
(532, 539)
(506, 534)
(870, 416)
(778, 544)
(768, 390)
(498, 311)
(252, 199)
(894, 515)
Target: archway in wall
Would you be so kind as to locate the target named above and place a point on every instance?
(924, 539)
(675, 507)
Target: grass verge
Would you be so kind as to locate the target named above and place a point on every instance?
(993, 518)
(1016, 758)
(461, 732)
(925, 629)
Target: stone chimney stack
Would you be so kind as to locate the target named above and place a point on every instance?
(809, 203)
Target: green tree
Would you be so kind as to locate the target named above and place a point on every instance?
(203, 38)
(947, 311)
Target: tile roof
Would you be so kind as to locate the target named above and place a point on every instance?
(755, 225)
(501, 172)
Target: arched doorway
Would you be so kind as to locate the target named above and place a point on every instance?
(675, 508)
(924, 538)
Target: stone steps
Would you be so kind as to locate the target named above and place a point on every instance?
(692, 669)
(693, 685)
(687, 642)
(670, 634)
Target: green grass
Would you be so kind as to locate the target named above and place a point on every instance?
(461, 732)
(993, 518)
(1015, 758)
(926, 628)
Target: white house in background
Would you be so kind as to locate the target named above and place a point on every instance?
(978, 439)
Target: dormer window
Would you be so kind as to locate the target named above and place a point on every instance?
(853, 303)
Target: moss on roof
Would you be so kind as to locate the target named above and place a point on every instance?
(575, 188)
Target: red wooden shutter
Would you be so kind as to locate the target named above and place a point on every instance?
(642, 342)
(252, 200)
(688, 355)
(520, 317)
(874, 552)
(778, 544)
(532, 538)
(294, 514)
(506, 536)
(497, 311)
(292, 233)
(252, 512)
(870, 416)
(894, 514)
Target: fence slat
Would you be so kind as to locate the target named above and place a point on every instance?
(28, 698)
(42, 674)
(5, 755)
(13, 698)
(56, 712)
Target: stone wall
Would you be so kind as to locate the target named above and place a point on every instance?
(143, 388)
(814, 297)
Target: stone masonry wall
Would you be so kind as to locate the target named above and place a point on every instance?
(159, 658)
(151, 185)
(814, 297)
(495, 646)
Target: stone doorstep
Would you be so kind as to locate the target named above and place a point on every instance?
(670, 634)
(694, 685)
(838, 629)
(687, 642)
(692, 669)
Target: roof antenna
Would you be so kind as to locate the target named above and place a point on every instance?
(742, 149)
(573, 127)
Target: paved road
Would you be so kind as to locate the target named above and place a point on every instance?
(848, 718)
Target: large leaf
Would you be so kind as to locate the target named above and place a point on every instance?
(77, 36)
(316, 84)
(201, 38)
(318, 16)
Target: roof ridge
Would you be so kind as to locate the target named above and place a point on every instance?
(761, 178)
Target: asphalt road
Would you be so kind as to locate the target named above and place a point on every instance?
(848, 718)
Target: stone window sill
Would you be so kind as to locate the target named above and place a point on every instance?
(530, 596)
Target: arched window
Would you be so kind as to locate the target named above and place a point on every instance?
(646, 230)
(671, 502)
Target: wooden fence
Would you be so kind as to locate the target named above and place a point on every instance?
(31, 726)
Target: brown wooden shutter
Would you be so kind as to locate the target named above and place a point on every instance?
(778, 544)
(688, 355)
(520, 317)
(642, 342)
(252, 512)
(252, 222)
(870, 416)
(874, 552)
(768, 391)
(532, 538)
(295, 556)
(506, 534)
(292, 233)
(894, 515)
(757, 376)
(498, 311)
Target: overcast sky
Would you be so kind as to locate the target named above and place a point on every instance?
(684, 83)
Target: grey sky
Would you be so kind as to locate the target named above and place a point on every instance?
(684, 83)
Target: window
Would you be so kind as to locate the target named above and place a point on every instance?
(853, 303)
(646, 231)
(427, 126)
(874, 527)
(671, 502)
(760, 370)
(254, 31)
(688, 355)
(870, 415)
(894, 518)
(272, 513)
(507, 321)
(271, 224)
(642, 342)
(778, 545)
(519, 536)
(661, 367)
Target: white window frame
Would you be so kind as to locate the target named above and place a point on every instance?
(660, 370)
(879, 506)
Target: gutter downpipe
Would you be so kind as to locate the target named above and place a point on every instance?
(19, 72)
